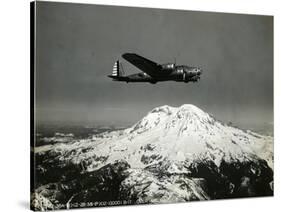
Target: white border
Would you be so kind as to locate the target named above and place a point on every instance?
(14, 88)
(232, 6)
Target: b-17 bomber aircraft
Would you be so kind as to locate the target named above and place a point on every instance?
(153, 72)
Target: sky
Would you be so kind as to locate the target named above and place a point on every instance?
(77, 45)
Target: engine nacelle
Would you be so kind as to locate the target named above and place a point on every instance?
(168, 66)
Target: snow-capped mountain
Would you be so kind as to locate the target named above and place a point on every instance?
(175, 134)
(171, 155)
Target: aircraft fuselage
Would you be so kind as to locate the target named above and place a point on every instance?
(178, 73)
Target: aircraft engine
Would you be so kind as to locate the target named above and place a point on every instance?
(168, 66)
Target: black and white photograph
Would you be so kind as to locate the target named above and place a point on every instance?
(135, 105)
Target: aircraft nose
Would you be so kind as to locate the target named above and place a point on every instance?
(199, 71)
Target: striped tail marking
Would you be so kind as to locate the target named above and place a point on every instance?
(115, 71)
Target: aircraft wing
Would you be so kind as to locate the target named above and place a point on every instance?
(147, 66)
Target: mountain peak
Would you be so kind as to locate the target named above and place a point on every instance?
(189, 107)
(176, 118)
(163, 109)
(185, 111)
(166, 109)
(190, 111)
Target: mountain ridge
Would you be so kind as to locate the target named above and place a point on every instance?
(178, 133)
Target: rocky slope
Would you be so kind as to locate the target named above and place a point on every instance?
(171, 155)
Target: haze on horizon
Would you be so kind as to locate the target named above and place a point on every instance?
(77, 45)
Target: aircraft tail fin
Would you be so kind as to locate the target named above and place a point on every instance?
(117, 70)
(118, 73)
